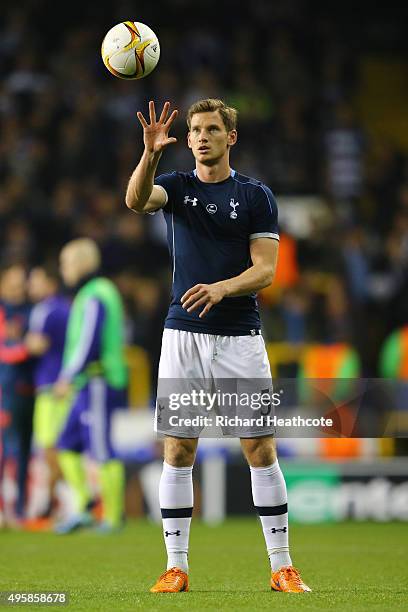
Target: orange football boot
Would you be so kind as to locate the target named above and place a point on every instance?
(288, 580)
(174, 580)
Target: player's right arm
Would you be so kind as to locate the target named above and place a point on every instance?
(142, 195)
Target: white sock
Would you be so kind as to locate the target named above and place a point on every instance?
(271, 502)
(176, 503)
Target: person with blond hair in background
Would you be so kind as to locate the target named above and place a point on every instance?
(94, 366)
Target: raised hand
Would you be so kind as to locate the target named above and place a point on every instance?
(156, 133)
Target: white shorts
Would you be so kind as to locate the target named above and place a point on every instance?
(204, 375)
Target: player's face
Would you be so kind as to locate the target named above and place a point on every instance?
(37, 285)
(208, 137)
(70, 267)
(13, 285)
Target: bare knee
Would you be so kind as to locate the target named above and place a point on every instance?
(179, 452)
(259, 452)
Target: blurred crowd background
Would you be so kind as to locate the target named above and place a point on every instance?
(322, 96)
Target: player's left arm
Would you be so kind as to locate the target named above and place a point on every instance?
(264, 256)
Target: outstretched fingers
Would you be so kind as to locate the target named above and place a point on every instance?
(164, 112)
(141, 119)
(171, 119)
(152, 113)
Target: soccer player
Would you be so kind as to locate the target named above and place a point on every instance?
(45, 340)
(94, 364)
(223, 238)
(16, 388)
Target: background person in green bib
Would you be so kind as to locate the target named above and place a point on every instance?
(94, 364)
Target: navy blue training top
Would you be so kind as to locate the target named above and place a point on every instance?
(209, 226)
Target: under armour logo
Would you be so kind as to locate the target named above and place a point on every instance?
(283, 530)
(234, 204)
(169, 533)
(188, 200)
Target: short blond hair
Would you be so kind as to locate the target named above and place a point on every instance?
(209, 105)
(86, 253)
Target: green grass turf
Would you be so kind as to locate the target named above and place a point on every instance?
(351, 566)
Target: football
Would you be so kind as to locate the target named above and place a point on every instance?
(130, 50)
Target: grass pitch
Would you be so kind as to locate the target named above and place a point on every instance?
(352, 566)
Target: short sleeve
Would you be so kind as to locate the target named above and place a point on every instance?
(170, 183)
(264, 214)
